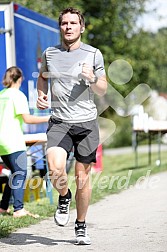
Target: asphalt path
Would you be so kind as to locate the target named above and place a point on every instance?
(134, 220)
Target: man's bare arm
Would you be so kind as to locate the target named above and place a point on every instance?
(42, 89)
(99, 86)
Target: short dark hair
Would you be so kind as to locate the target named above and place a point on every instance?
(72, 11)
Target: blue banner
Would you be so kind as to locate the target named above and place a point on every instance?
(2, 49)
(33, 34)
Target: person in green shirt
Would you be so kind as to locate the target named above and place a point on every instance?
(14, 111)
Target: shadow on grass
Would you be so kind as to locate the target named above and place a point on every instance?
(132, 168)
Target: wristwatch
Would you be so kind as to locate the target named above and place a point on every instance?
(94, 80)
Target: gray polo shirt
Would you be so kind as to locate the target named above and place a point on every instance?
(72, 99)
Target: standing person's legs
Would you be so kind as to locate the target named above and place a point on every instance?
(17, 163)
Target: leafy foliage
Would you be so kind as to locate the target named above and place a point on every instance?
(111, 27)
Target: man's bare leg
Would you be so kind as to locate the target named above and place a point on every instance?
(56, 157)
(83, 195)
(83, 191)
(57, 163)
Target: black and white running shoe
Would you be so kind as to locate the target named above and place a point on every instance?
(82, 237)
(62, 214)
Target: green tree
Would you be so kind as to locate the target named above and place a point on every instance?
(158, 75)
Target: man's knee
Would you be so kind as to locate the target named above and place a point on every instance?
(56, 169)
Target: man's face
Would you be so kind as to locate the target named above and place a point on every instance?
(70, 28)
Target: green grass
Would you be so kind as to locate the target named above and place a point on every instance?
(119, 172)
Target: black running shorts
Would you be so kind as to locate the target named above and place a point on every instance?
(84, 137)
